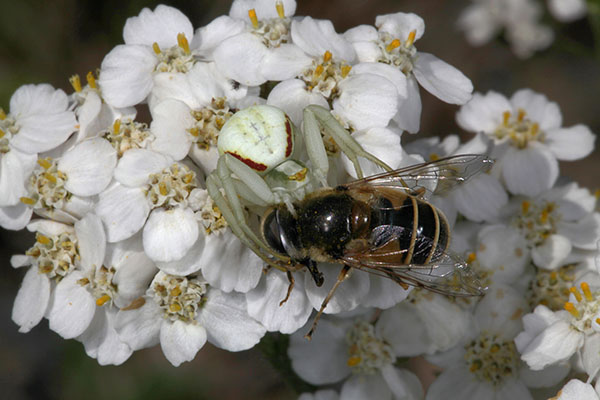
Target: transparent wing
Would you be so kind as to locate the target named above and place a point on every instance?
(446, 276)
(435, 177)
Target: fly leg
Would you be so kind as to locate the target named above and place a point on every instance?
(344, 273)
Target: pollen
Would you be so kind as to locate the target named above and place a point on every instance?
(525, 206)
(2, 114)
(27, 200)
(570, 307)
(576, 293)
(91, 80)
(44, 163)
(394, 44)
(471, 257)
(346, 70)
(319, 70)
(505, 118)
(117, 126)
(75, 82)
(521, 115)
(42, 239)
(183, 43)
(411, 38)
(2, 133)
(253, 18)
(280, 10)
(102, 300)
(353, 361)
(175, 307)
(586, 291)
(327, 56)
(156, 48)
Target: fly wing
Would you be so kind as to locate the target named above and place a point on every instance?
(446, 276)
(435, 177)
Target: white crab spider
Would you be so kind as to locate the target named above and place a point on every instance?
(258, 145)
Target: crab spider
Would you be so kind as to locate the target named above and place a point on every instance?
(259, 146)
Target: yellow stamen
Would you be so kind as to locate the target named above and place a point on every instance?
(162, 188)
(2, 133)
(525, 206)
(188, 178)
(327, 56)
(44, 163)
(570, 307)
(411, 38)
(597, 321)
(117, 126)
(476, 365)
(471, 257)
(434, 157)
(42, 239)
(176, 291)
(505, 117)
(535, 127)
(27, 200)
(586, 291)
(521, 115)
(494, 348)
(194, 132)
(174, 307)
(2, 114)
(346, 70)
(353, 361)
(102, 300)
(319, 70)
(75, 82)
(183, 43)
(393, 45)
(597, 194)
(253, 18)
(50, 177)
(544, 216)
(156, 48)
(280, 10)
(576, 293)
(91, 80)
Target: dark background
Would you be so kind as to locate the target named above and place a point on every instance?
(50, 41)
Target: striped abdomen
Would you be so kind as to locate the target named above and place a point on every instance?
(408, 230)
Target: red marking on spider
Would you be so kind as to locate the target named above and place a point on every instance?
(288, 131)
(252, 164)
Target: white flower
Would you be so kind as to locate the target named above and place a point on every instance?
(182, 313)
(393, 43)
(567, 10)
(551, 337)
(484, 19)
(156, 42)
(530, 129)
(39, 120)
(575, 390)
(62, 189)
(486, 365)
(354, 351)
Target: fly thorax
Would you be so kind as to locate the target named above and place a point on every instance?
(492, 359)
(367, 352)
(208, 122)
(128, 134)
(55, 256)
(171, 187)
(397, 52)
(180, 298)
(46, 186)
(175, 58)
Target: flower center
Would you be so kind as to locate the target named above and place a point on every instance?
(176, 58)
(272, 31)
(366, 352)
(585, 309)
(519, 129)
(129, 134)
(397, 53)
(101, 285)
(179, 297)
(551, 288)
(8, 128)
(324, 74)
(171, 187)
(537, 221)
(491, 358)
(210, 217)
(56, 255)
(209, 121)
(46, 186)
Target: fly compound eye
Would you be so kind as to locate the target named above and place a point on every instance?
(271, 231)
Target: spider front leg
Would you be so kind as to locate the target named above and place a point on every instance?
(348, 145)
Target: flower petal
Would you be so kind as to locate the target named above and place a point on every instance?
(292, 97)
(123, 210)
(240, 57)
(442, 80)
(31, 301)
(136, 166)
(91, 241)
(570, 143)
(316, 36)
(161, 26)
(73, 307)
(529, 171)
(170, 234)
(140, 327)
(348, 295)
(181, 341)
(552, 253)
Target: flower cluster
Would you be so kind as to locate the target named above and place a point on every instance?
(520, 21)
(141, 240)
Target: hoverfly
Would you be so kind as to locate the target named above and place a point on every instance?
(382, 224)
